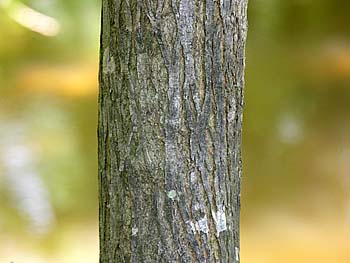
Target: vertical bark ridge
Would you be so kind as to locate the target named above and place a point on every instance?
(170, 117)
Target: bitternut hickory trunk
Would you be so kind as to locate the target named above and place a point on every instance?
(169, 131)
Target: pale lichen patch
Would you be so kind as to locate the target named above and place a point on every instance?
(202, 225)
(193, 226)
(172, 194)
(220, 220)
(197, 206)
(134, 231)
(237, 253)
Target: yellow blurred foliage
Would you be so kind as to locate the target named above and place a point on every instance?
(336, 62)
(75, 243)
(66, 80)
(289, 240)
(331, 62)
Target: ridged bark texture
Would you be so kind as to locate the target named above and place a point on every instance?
(169, 131)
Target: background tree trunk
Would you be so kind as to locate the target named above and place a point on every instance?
(170, 118)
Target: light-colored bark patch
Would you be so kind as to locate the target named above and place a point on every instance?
(237, 253)
(134, 231)
(201, 225)
(108, 62)
(220, 220)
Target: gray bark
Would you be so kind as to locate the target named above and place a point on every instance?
(169, 131)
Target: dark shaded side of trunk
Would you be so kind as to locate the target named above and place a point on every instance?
(169, 130)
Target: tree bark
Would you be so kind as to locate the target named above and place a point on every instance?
(169, 131)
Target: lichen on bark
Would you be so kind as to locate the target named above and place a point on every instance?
(169, 131)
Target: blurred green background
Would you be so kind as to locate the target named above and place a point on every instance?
(296, 145)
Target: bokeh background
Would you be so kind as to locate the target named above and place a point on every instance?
(296, 145)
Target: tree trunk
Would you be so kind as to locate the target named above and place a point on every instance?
(169, 131)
